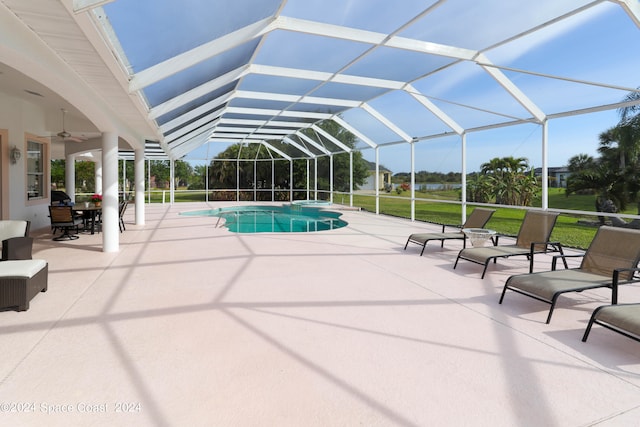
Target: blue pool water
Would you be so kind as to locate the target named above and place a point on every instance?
(274, 219)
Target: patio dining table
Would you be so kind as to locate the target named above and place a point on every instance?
(89, 213)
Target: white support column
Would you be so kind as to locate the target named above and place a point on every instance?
(98, 175)
(413, 180)
(290, 181)
(206, 181)
(315, 179)
(255, 181)
(149, 178)
(237, 180)
(307, 179)
(273, 180)
(70, 176)
(172, 181)
(124, 179)
(110, 229)
(464, 178)
(350, 178)
(376, 182)
(331, 177)
(138, 167)
(545, 165)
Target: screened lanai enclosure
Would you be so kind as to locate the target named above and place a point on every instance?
(427, 82)
(420, 84)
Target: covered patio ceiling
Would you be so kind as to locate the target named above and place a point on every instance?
(246, 71)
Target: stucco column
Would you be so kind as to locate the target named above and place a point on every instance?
(463, 162)
(172, 183)
(110, 229)
(98, 175)
(70, 176)
(138, 167)
(377, 184)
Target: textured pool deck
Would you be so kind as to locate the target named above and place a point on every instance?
(191, 325)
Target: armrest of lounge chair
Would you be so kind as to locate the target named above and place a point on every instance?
(616, 280)
(564, 257)
(458, 226)
(555, 247)
(17, 248)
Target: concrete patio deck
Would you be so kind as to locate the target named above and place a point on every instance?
(191, 325)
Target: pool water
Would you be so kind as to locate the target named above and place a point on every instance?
(273, 219)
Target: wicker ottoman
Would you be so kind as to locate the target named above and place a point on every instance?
(20, 281)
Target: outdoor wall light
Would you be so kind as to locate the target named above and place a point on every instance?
(15, 155)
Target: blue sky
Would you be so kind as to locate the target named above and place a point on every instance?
(596, 46)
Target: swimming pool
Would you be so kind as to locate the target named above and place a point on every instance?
(273, 219)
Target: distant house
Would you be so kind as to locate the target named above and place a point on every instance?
(383, 178)
(557, 176)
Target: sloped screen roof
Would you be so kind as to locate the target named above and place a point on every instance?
(253, 70)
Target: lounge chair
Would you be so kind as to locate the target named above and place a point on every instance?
(21, 281)
(611, 259)
(623, 319)
(478, 218)
(533, 238)
(16, 243)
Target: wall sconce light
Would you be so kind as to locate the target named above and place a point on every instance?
(15, 155)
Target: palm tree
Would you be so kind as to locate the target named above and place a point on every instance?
(509, 180)
(581, 162)
(614, 177)
(632, 112)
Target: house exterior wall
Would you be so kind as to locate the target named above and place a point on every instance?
(17, 119)
(383, 178)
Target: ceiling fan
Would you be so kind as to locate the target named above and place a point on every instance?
(66, 136)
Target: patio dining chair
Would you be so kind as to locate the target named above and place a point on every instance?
(532, 238)
(62, 218)
(477, 219)
(122, 207)
(611, 259)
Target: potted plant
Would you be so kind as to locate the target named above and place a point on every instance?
(96, 199)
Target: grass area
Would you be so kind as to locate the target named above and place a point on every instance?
(506, 220)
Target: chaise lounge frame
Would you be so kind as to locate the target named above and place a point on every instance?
(610, 260)
(533, 238)
(477, 219)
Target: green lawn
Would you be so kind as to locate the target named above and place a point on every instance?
(505, 221)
